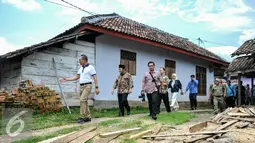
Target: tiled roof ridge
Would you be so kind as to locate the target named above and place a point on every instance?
(98, 17)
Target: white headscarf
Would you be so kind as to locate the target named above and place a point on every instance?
(173, 80)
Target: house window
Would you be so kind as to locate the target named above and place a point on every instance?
(170, 67)
(201, 77)
(129, 60)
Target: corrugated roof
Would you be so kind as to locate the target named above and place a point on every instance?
(242, 64)
(248, 47)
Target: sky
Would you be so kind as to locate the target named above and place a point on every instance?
(223, 25)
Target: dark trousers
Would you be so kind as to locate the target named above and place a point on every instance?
(153, 100)
(230, 101)
(165, 99)
(123, 102)
(193, 100)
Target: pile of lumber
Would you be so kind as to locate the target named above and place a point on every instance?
(38, 97)
(221, 127)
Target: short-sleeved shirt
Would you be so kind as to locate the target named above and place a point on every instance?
(150, 86)
(164, 88)
(86, 73)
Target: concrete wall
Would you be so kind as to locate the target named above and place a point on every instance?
(38, 67)
(10, 74)
(108, 58)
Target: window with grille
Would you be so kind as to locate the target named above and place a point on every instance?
(129, 60)
(201, 77)
(170, 68)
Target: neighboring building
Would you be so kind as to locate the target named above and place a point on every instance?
(109, 40)
(243, 66)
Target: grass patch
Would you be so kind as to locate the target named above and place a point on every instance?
(46, 120)
(110, 122)
(36, 139)
(174, 118)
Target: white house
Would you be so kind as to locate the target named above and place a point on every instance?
(109, 40)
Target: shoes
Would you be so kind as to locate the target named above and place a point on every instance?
(83, 120)
(154, 117)
(128, 113)
(121, 114)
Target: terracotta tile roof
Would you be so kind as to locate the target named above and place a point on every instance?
(242, 64)
(124, 25)
(248, 47)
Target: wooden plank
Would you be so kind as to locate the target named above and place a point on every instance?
(47, 64)
(119, 132)
(74, 136)
(252, 110)
(189, 134)
(239, 114)
(197, 127)
(105, 140)
(84, 49)
(85, 43)
(156, 131)
(135, 136)
(242, 125)
(48, 57)
(60, 51)
(208, 136)
(84, 138)
(44, 80)
(55, 138)
(240, 119)
(48, 71)
(241, 109)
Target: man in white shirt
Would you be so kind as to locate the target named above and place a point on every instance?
(86, 75)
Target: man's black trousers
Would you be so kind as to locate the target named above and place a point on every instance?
(193, 100)
(165, 99)
(153, 102)
(123, 102)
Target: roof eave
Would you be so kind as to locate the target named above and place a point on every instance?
(146, 41)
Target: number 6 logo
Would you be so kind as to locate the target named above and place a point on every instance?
(15, 120)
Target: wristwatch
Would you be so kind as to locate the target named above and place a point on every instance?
(96, 87)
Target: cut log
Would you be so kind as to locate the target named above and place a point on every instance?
(118, 132)
(242, 125)
(208, 136)
(239, 114)
(84, 138)
(198, 127)
(218, 116)
(188, 134)
(106, 140)
(140, 134)
(240, 119)
(74, 136)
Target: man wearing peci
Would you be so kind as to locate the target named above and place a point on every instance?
(124, 85)
(86, 75)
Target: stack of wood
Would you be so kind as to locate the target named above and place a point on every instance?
(37, 97)
(232, 125)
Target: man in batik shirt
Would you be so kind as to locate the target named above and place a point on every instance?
(124, 85)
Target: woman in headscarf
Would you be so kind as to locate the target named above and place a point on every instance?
(175, 87)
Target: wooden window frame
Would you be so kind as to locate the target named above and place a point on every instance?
(128, 59)
(201, 75)
(170, 67)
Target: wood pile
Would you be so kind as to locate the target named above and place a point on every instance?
(38, 97)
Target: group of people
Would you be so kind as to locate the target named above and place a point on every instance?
(156, 85)
(225, 95)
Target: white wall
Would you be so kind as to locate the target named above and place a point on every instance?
(108, 58)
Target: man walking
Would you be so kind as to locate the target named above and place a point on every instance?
(86, 75)
(218, 92)
(248, 94)
(150, 85)
(163, 91)
(230, 96)
(124, 83)
(192, 87)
